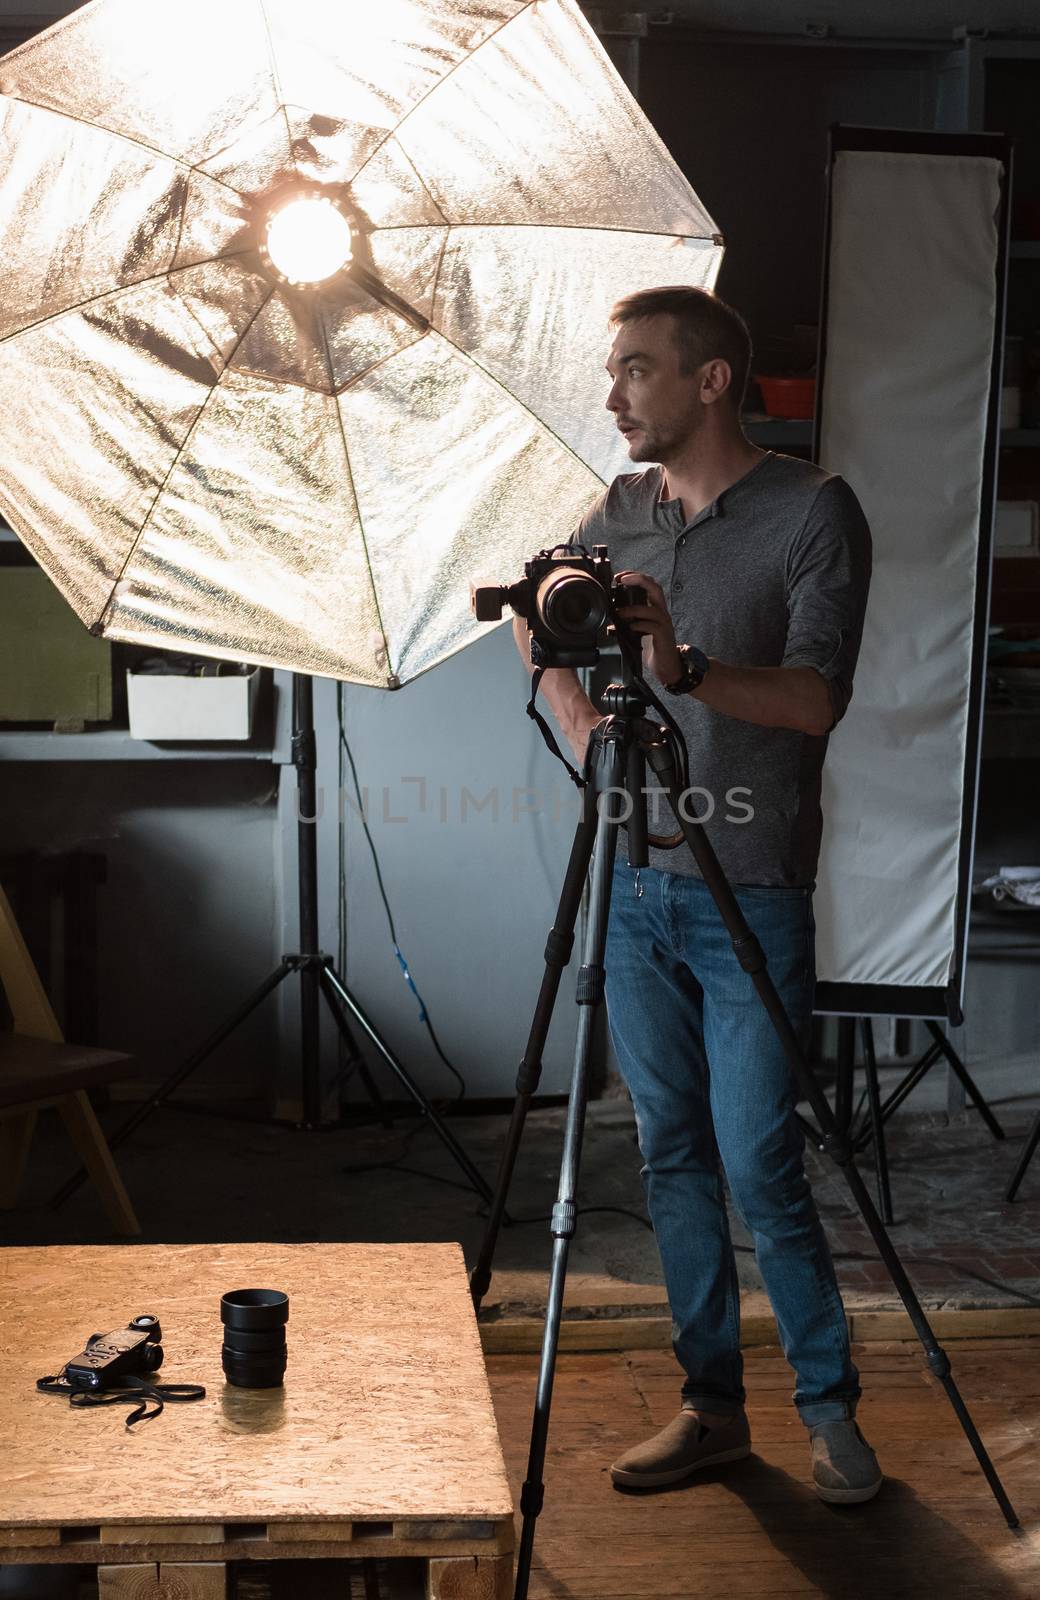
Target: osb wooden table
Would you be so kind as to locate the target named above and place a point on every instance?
(382, 1442)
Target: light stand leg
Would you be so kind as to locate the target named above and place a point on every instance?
(846, 1069)
(333, 984)
(971, 1088)
(876, 1121)
(1027, 1156)
(899, 1094)
(178, 1076)
(834, 1141)
(940, 1046)
(355, 1058)
(564, 1216)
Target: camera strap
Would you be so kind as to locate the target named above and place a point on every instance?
(124, 1390)
(546, 732)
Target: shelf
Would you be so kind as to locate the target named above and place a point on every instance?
(115, 744)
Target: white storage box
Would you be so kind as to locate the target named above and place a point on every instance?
(168, 706)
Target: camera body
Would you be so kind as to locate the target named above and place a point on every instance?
(568, 599)
(134, 1350)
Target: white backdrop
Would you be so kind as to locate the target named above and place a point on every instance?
(912, 304)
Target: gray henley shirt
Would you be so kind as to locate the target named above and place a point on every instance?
(773, 573)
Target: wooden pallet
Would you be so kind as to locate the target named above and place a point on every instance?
(461, 1561)
(381, 1447)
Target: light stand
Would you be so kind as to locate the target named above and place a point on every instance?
(872, 1127)
(1026, 1157)
(619, 748)
(318, 977)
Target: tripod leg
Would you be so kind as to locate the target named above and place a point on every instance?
(1027, 1156)
(355, 1058)
(590, 995)
(876, 1121)
(331, 982)
(970, 1087)
(834, 1141)
(177, 1077)
(558, 948)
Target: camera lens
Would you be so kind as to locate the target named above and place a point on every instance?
(253, 1371)
(572, 606)
(247, 1340)
(254, 1354)
(254, 1308)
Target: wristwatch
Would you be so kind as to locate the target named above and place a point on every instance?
(694, 670)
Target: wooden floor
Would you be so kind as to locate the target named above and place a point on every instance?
(755, 1529)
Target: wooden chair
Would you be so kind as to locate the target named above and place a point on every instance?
(38, 1069)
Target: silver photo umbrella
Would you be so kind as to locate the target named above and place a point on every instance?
(303, 310)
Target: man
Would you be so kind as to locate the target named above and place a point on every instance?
(756, 568)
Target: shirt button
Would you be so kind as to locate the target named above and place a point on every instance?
(677, 587)
(681, 541)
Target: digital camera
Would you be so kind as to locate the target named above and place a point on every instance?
(568, 599)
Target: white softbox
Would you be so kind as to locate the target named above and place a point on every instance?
(909, 413)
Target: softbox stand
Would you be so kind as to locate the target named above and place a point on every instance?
(871, 1126)
(318, 980)
(1026, 1157)
(619, 749)
(939, 1049)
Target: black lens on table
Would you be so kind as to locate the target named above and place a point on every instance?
(254, 1351)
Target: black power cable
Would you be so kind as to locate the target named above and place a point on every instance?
(424, 1015)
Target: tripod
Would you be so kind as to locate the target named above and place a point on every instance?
(620, 747)
(318, 980)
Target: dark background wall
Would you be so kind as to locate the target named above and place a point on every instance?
(748, 125)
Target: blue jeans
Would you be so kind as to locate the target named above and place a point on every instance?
(709, 1079)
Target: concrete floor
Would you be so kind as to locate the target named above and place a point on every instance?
(203, 1178)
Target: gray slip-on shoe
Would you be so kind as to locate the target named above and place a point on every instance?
(845, 1469)
(683, 1447)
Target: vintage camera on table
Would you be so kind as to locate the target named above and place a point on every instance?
(568, 599)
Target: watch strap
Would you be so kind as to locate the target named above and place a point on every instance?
(694, 668)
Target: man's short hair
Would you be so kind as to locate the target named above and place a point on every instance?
(706, 329)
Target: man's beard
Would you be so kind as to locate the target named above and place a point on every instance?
(663, 444)
(646, 448)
